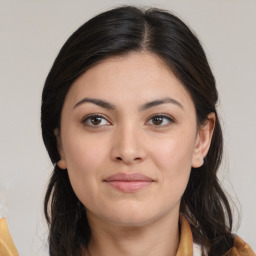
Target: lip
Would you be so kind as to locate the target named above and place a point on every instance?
(128, 183)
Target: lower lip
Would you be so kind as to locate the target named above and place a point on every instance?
(129, 186)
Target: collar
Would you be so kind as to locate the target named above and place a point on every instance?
(186, 239)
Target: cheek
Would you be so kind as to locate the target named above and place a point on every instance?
(174, 157)
(84, 157)
(84, 153)
(173, 152)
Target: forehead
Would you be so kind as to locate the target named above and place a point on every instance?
(131, 78)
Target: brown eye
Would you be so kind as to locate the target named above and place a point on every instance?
(157, 120)
(95, 120)
(161, 120)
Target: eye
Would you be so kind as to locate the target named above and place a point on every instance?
(95, 120)
(161, 120)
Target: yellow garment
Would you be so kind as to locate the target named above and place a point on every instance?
(185, 248)
(240, 248)
(7, 247)
(186, 240)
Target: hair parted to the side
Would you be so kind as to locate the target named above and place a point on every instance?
(118, 32)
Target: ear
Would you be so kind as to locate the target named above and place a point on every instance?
(203, 141)
(62, 162)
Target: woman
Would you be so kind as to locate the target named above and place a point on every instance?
(129, 121)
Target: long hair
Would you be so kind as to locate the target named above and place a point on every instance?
(117, 32)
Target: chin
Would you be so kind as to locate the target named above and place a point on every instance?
(133, 218)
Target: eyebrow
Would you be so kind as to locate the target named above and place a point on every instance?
(107, 105)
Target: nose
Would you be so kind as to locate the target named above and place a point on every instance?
(128, 145)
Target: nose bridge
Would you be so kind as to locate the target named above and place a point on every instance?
(127, 142)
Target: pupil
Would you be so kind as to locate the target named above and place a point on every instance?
(158, 120)
(96, 120)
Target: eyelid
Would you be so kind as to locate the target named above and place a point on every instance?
(162, 115)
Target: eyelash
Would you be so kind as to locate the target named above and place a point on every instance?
(86, 118)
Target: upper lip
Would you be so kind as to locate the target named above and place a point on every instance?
(128, 177)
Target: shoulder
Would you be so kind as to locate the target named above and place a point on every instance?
(7, 246)
(240, 248)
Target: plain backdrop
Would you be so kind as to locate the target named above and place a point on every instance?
(31, 34)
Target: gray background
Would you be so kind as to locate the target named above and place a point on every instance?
(31, 35)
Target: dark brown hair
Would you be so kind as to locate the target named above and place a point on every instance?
(117, 32)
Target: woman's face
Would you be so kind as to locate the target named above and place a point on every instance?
(128, 140)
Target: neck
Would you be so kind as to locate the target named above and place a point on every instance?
(156, 238)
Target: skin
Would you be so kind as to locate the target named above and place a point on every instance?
(128, 140)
